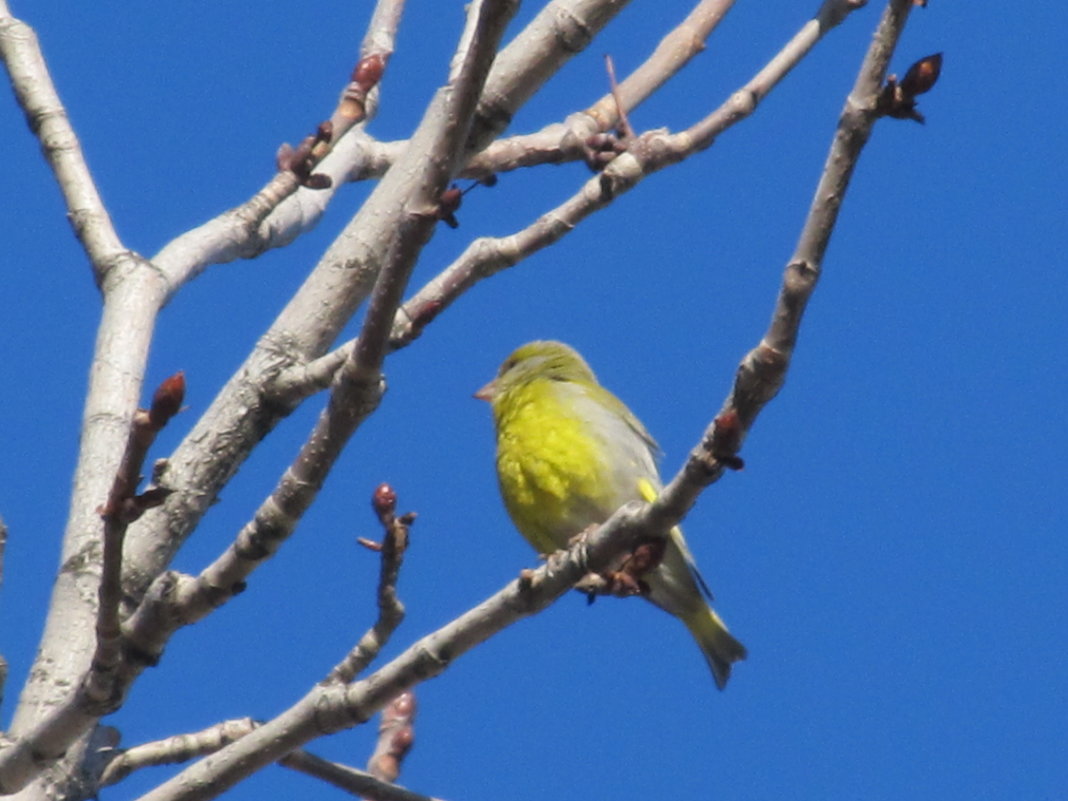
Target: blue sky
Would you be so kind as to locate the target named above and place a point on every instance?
(893, 554)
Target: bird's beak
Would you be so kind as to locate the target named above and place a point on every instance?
(487, 392)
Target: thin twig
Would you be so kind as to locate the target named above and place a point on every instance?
(349, 779)
(390, 609)
(674, 52)
(174, 750)
(626, 132)
(123, 506)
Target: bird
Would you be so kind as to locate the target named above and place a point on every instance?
(569, 453)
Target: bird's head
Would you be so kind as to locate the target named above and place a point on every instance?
(536, 361)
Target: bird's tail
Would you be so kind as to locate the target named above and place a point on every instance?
(718, 645)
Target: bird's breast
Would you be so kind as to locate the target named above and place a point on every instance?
(553, 472)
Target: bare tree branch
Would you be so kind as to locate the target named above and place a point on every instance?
(434, 155)
(185, 747)
(55, 728)
(649, 153)
(328, 708)
(561, 29)
(133, 291)
(174, 750)
(562, 142)
(285, 208)
(762, 372)
(47, 118)
(272, 219)
(391, 227)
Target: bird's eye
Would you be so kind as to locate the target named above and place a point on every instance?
(508, 365)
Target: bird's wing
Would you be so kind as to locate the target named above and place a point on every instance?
(649, 493)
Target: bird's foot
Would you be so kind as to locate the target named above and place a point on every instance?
(583, 535)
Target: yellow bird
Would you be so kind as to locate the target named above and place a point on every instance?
(569, 453)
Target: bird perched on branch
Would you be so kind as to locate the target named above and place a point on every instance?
(569, 453)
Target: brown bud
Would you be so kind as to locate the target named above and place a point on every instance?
(448, 203)
(450, 200)
(384, 501)
(898, 99)
(304, 149)
(369, 71)
(402, 741)
(325, 131)
(922, 75)
(403, 705)
(727, 440)
(167, 401)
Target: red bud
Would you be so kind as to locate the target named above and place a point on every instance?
(384, 500)
(167, 401)
(325, 131)
(369, 71)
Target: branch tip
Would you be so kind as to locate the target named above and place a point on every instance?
(167, 401)
(384, 502)
(370, 545)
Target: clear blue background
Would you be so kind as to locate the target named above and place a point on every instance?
(894, 552)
